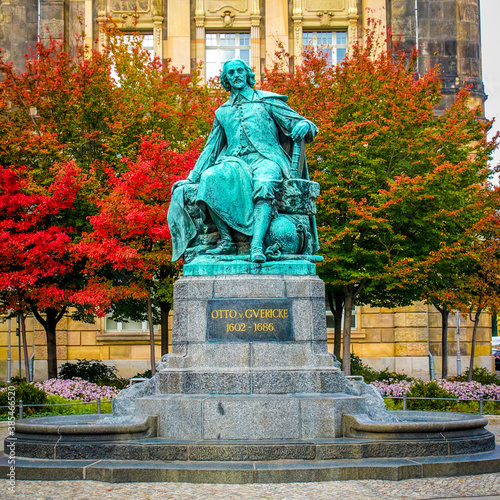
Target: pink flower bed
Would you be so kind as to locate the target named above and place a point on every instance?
(461, 390)
(393, 388)
(78, 389)
(471, 390)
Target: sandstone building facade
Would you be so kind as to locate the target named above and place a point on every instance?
(447, 33)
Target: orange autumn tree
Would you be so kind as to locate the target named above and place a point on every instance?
(465, 274)
(91, 109)
(383, 159)
(455, 207)
(481, 287)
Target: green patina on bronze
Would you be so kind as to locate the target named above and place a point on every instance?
(248, 205)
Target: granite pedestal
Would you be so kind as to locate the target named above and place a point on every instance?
(249, 361)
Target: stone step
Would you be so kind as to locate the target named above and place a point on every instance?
(283, 471)
(251, 381)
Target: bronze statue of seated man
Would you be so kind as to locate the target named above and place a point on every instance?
(243, 166)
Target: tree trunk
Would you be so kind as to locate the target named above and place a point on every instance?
(22, 321)
(165, 308)
(49, 323)
(346, 352)
(151, 337)
(336, 304)
(445, 312)
(350, 293)
(473, 343)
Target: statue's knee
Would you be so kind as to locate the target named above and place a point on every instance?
(265, 191)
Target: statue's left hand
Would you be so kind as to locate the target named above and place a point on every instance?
(300, 131)
(180, 183)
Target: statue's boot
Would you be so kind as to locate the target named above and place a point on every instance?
(262, 214)
(225, 245)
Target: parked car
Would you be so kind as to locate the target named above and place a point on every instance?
(496, 355)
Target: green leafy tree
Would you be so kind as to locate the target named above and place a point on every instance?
(391, 171)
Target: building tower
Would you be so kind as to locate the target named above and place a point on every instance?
(447, 33)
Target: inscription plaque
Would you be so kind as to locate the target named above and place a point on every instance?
(249, 320)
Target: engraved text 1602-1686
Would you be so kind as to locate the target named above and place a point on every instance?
(249, 320)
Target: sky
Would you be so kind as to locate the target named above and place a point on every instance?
(490, 49)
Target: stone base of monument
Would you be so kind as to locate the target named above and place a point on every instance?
(251, 394)
(253, 417)
(249, 362)
(95, 447)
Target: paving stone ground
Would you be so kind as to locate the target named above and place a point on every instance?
(484, 487)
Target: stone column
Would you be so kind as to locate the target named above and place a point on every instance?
(297, 31)
(352, 16)
(255, 39)
(200, 40)
(469, 49)
(101, 18)
(179, 39)
(276, 14)
(89, 23)
(157, 30)
(199, 18)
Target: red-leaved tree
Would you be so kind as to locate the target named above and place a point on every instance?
(91, 110)
(38, 265)
(130, 234)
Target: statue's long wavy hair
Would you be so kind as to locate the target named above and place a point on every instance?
(223, 76)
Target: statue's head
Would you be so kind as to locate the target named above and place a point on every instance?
(232, 65)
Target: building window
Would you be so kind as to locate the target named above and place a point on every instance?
(111, 325)
(220, 47)
(330, 324)
(331, 43)
(147, 43)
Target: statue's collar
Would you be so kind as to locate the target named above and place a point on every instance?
(245, 93)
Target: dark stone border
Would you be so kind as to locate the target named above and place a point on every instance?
(234, 451)
(416, 434)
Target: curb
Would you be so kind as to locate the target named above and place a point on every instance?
(493, 419)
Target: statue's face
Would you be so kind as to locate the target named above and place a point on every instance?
(236, 75)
